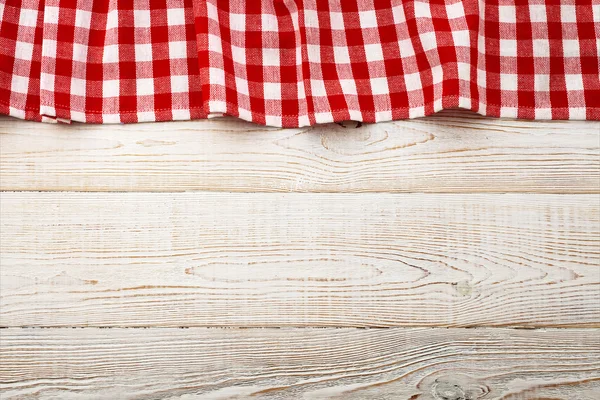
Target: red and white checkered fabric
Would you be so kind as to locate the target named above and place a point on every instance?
(298, 62)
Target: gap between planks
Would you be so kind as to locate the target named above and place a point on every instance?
(244, 327)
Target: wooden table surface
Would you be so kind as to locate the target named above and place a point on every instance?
(452, 257)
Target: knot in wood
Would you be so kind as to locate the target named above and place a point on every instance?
(448, 391)
(458, 388)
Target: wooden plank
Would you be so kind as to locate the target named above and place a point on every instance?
(200, 363)
(214, 259)
(453, 152)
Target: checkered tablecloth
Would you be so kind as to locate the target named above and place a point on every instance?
(297, 62)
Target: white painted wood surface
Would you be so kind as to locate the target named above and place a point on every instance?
(453, 152)
(483, 223)
(351, 364)
(225, 259)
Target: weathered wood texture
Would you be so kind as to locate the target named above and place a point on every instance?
(450, 152)
(351, 364)
(216, 259)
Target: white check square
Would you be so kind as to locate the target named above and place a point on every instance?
(368, 19)
(179, 84)
(175, 16)
(78, 87)
(507, 14)
(110, 88)
(413, 81)
(379, 86)
(143, 52)
(272, 91)
(19, 84)
(83, 18)
(574, 82)
(508, 82)
(145, 86)
(374, 52)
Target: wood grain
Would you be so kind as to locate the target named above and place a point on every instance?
(218, 259)
(452, 152)
(200, 363)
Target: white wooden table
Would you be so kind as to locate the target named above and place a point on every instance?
(219, 259)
